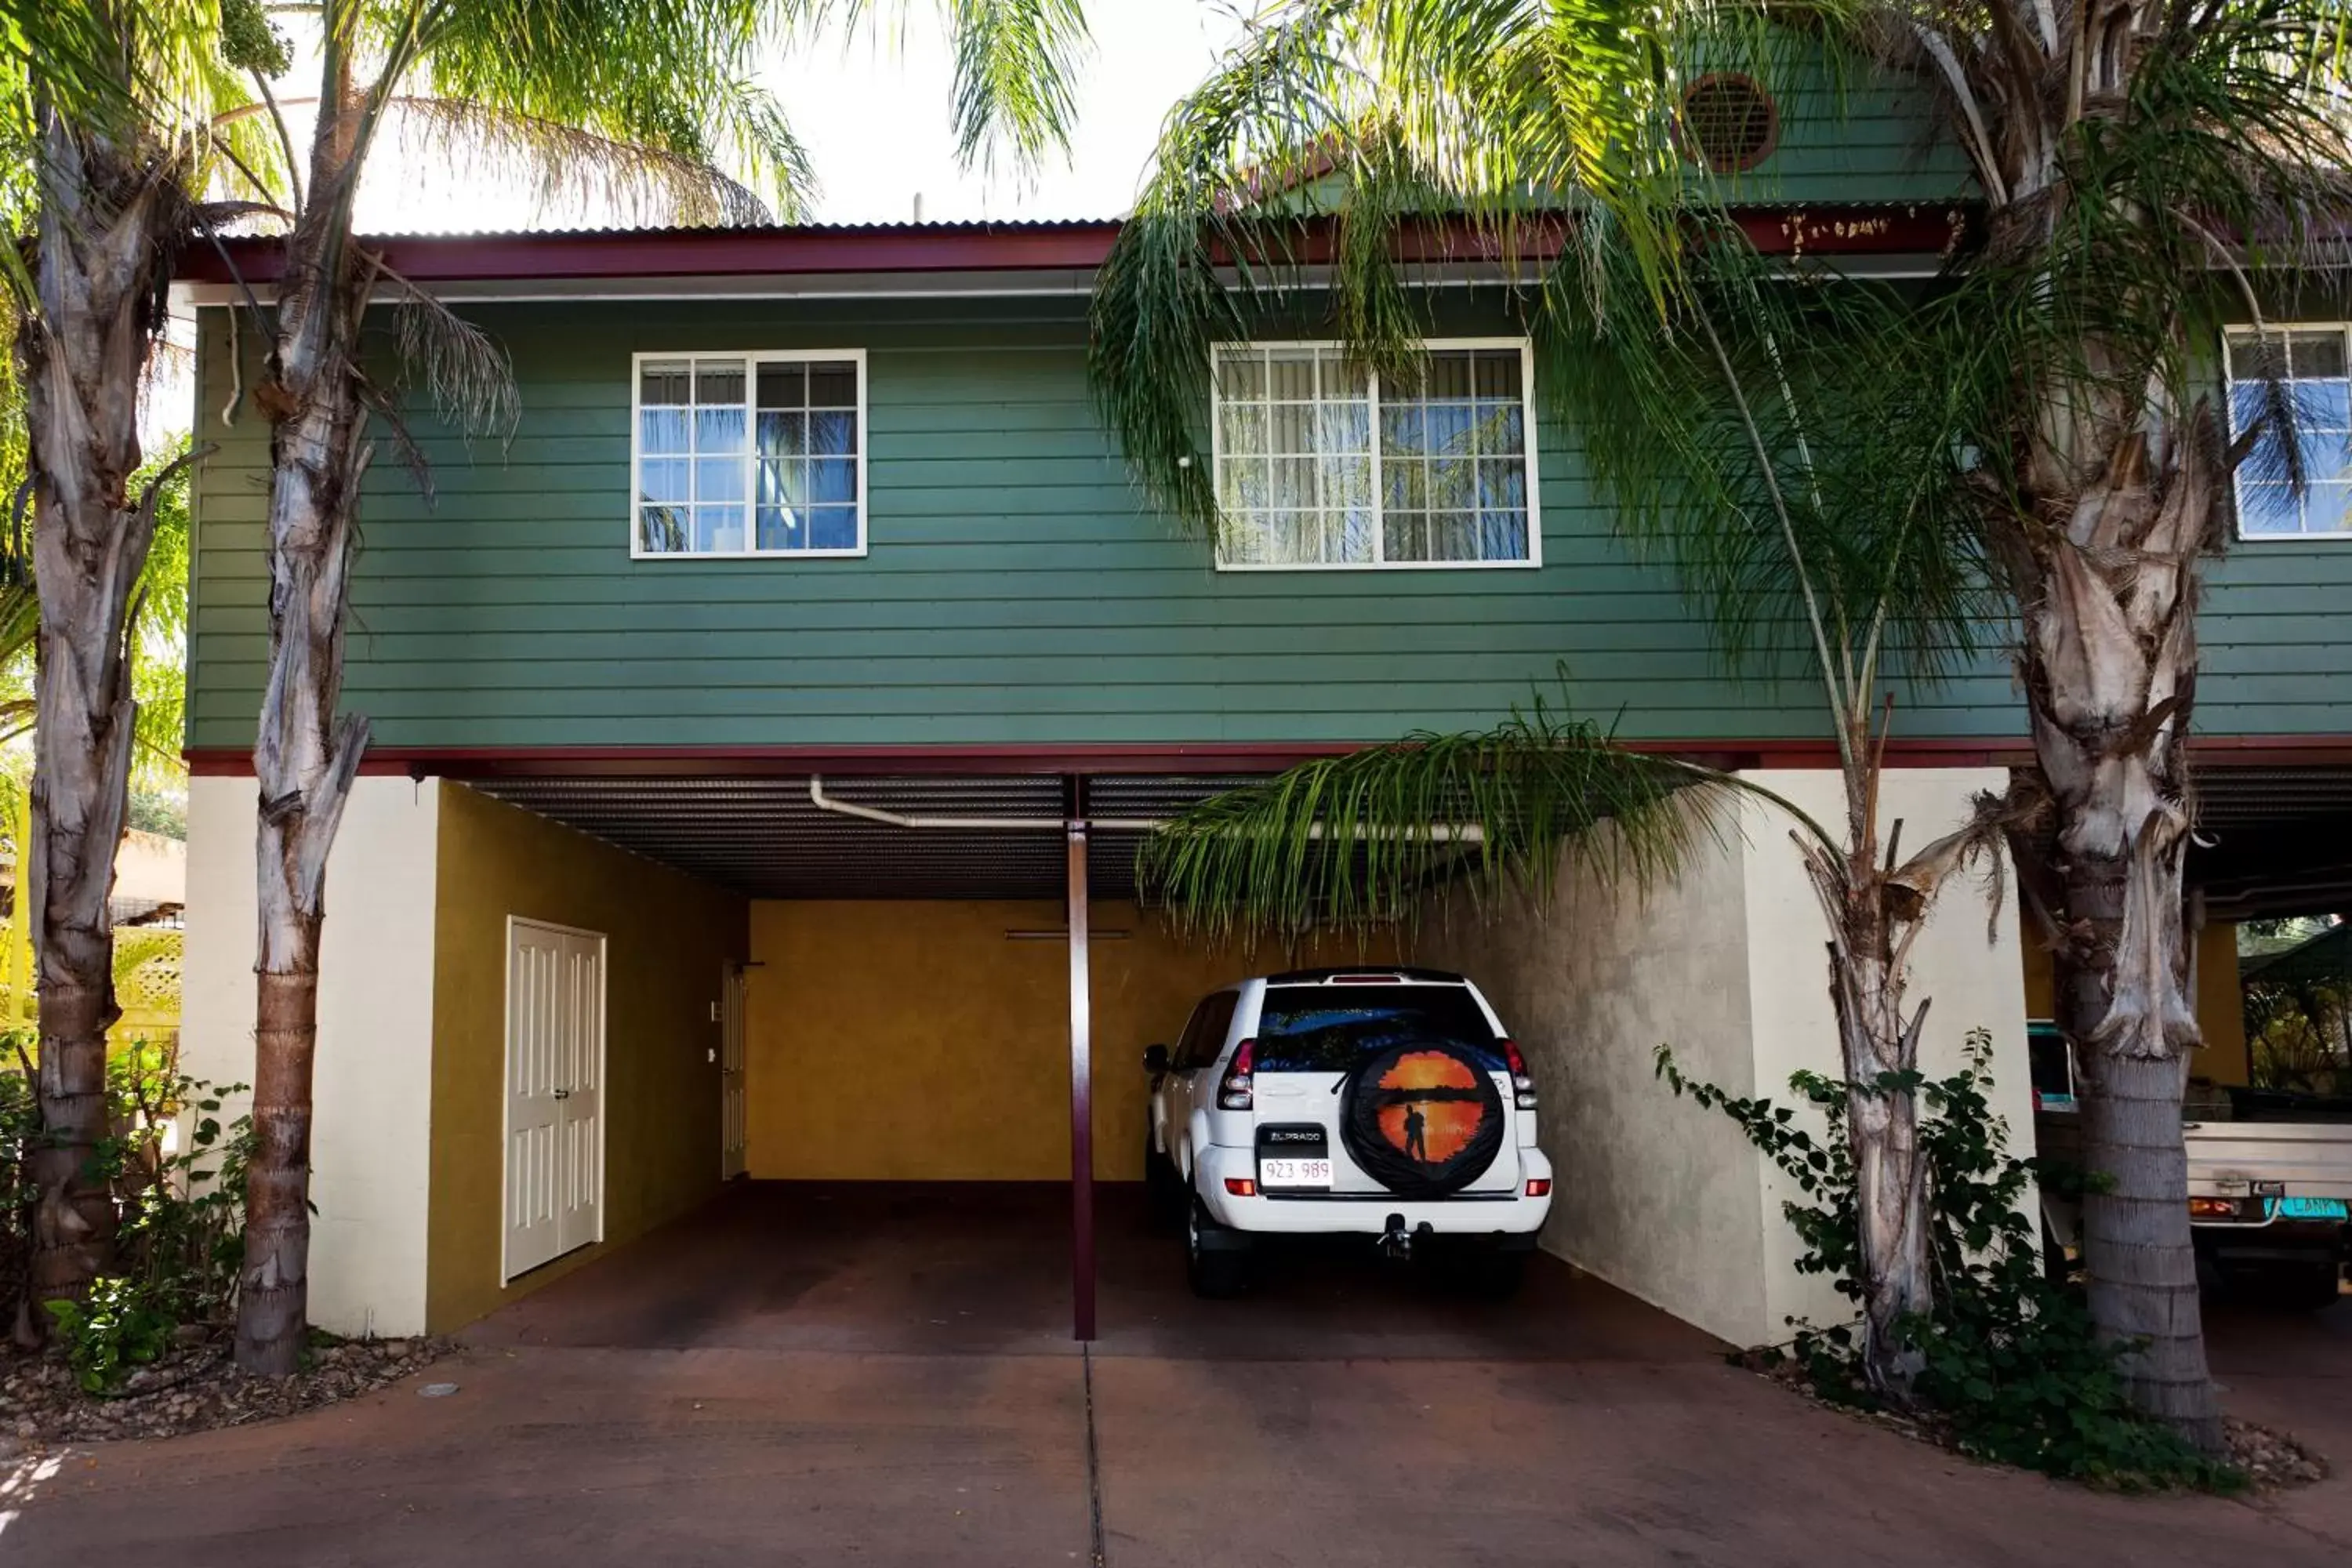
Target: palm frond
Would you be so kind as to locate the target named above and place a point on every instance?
(1815, 514)
(467, 371)
(1016, 63)
(571, 170)
(1286, 185)
(1355, 841)
(667, 78)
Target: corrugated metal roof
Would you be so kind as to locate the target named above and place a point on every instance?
(945, 227)
(1019, 245)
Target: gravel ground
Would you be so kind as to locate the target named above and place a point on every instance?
(194, 1389)
(2271, 1460)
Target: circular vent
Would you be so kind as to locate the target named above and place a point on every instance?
(1727, 124)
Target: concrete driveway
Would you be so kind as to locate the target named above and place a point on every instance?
(879, 1375)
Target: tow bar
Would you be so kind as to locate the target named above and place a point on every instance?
(1396, 1242)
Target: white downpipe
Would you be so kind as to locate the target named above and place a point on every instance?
(1439, 832)
(824, 801)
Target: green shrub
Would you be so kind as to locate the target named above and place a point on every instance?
(120, 1327)
(180, 1203)
(183, 1214)
(2013, 1370)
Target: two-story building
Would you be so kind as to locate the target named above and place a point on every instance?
(749, 719)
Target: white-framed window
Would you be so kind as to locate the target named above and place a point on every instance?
(1321, 464)
(2317, 361)
(740, 453)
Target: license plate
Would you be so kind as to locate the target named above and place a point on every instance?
(2310, 1208)
(1293, 1172)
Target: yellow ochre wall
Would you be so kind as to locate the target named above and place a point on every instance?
(669, 939)
(915, 1041)
(2221, 1011)
(2220, 1007)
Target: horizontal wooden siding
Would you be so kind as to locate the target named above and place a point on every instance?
(1016, 588)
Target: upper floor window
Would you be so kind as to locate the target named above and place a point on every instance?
(1322, 463)
(749, 453)
(2314, 360)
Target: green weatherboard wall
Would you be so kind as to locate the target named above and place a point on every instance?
(1016, 589)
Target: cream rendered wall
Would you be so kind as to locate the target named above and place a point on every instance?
(1654, 1196)
(373, 1080)
(151, 869)
(1727, 965)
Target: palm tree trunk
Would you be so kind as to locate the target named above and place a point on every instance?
(110, 222)
(2110, 664)
(304, 760)
(1867, 986)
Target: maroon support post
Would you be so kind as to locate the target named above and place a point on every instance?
(1082, 1095)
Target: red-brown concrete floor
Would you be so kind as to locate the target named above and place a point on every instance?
(882, 1376)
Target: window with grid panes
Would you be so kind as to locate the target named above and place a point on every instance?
(749, 453)
(2311, 363)
(1320, 463)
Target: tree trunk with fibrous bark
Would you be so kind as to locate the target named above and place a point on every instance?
(2116, 479)
(112, 217)
(304, 758)
(2110, 668)
(1876, 908)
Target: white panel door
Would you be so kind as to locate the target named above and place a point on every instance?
(580, 1216)
(733, 1152)
(554, 1088)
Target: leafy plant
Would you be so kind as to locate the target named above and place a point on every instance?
(175, 1170)
(20, 1123)
(121, 1326)
(2011, 1367)
(182, 1209)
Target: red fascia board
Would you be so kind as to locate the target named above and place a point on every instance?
(1177, 757)
(1183, 757)
(1919, 229)
(703, 252)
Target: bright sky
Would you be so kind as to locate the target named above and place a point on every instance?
(875, 114)
(877, 122)
(875, 117)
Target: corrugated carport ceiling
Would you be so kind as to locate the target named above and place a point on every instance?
(2273, 841)
(766, 839)
(2239, 797)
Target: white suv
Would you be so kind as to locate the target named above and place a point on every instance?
(1378, 1103)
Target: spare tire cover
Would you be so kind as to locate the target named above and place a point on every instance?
(1422, 1118)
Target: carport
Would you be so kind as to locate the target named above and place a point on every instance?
(2273, 841)
(986, 841)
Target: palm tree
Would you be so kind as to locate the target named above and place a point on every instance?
(2142, 165)
(106, 119)
(2133, 158)
(654, 90)
(1815, 526)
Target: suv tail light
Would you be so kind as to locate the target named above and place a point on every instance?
(1523, 1085)
(1234, 1090)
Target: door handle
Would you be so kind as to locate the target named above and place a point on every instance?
(564, 1094)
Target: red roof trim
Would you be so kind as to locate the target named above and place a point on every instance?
(1909, 228)
(1180, 757)
(1201, 757)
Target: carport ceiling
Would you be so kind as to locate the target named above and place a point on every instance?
(2274, 837)
(764, 838)
(2273, 841)
(2235, 798)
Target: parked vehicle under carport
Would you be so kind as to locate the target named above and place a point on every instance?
(2270, 1179)
(1383, 1103)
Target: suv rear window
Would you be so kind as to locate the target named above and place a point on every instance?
(1331, 1029)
